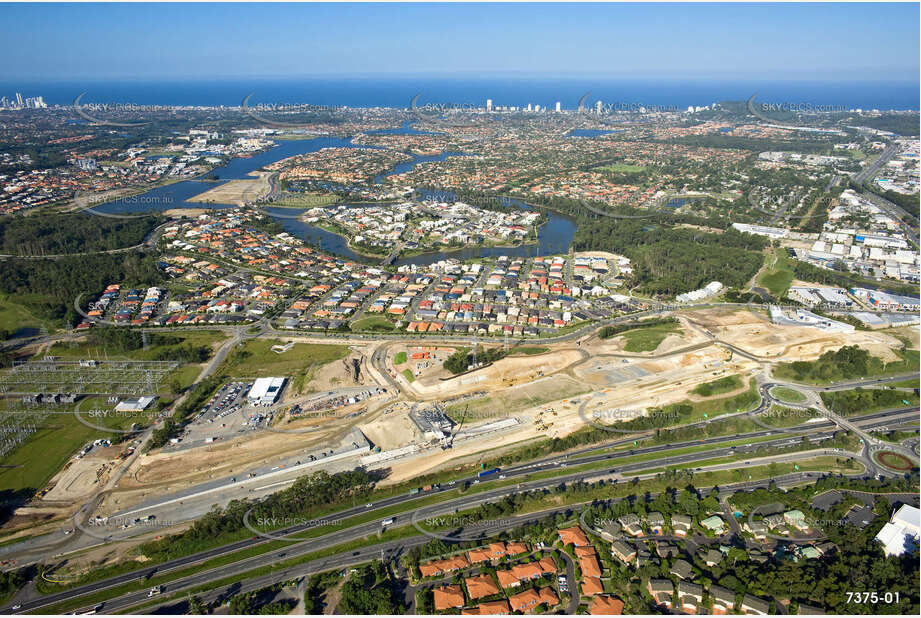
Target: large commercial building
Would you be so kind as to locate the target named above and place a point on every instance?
(901, 533)
(265, 391)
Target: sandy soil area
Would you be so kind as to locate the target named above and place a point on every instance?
(235, 191)
(741, 328)
(504, 373)
(392, 429)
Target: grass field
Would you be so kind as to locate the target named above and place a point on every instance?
(780, 416)
(777, 274)
(648, 339)
(409, 375)
(30, 466)
(372, 323)
(528, 350)
(399, 358)
(306, 200)
(711, 408)
(257, 360)
(788, 395)
(14, 316)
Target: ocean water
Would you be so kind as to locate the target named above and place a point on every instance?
(398, 92)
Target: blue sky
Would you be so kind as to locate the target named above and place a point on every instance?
(780, 41)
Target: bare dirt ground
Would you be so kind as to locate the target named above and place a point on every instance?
(392, 429)
(80, 477)
(504, 373)
(236, 191)
(742, 328)
(682, 338)
(542, 392)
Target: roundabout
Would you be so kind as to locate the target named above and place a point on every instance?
(893, 461)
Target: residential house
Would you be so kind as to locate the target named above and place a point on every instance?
(712, 557)
(662, 590)
(631, 524)
(773, 521)
(757, 528)
(690, 596)
(714, 524)
(666, 550)
(623, 551)
(656, 522)
(606, 605)
(681, 569)
(724, 600)
(438, 567)
(447, 597)
(796, 519)
(809, 610)
(574, 536)
(754, 606)
(591, 586)
(489, 608)
(529, 599)
(481, 586)
(681, 524)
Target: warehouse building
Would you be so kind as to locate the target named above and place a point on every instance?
(266, 391)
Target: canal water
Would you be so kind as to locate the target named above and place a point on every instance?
(553, 237)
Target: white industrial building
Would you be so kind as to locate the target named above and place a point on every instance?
(134, 404)
(265, 391)
(711, 289)
(819, 296)
(902, 531)
(762, 230)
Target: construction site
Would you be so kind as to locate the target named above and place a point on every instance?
(363, 410)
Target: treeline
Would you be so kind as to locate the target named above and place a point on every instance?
(463, 358)
(174, 424)
(48, 288)
(10, 582)
(716, 387)
(164, 347)
(309, 493)
(909, 202)
(371, 591)
(259, 603)
(862, 400)
(902, 123)
(858, 564)
(610, 331)
(845, 364)
(71, 233)
(669, 261)
(316, 587)
(734, 142)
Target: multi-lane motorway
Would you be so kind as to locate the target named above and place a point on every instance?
(816, 432)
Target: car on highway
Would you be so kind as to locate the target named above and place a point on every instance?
(369, 505)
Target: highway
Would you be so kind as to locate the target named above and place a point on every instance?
(816, 433)
(389, 550)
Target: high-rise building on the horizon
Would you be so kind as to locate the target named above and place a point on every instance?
(488, 105)
(598, 106)
(558, 106)
(19, 99)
